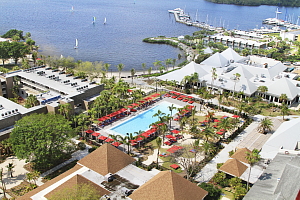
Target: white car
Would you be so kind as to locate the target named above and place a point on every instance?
(296, 63)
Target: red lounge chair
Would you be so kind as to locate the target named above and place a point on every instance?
(185, 100)
(133, 110)
(174, 166)
(168, 143)
(191, 102)
(179, 98)
(174, 97)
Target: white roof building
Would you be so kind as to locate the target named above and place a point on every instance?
(285, 138)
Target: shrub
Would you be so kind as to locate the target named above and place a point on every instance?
(219, 165)
(81, 146)
(90, 150)
(213, 191)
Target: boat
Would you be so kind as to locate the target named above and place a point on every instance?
(76, 44)
(72, 9)
(94, 20)
(104, 21)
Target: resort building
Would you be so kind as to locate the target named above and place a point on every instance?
(280, 180)
(235, 42)
(50, 87)
(253, 71)
(290, 35)
(286, 140)
(113, 175)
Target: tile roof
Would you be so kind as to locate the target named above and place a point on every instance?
(233, 167)
(106, 159)
(167, 185)
(241, 154)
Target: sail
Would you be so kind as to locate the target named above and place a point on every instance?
(76, 44)
(94, 19)
(104, 21)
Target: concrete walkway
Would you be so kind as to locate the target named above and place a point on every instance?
(210, 168)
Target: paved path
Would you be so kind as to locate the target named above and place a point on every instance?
(210, 168)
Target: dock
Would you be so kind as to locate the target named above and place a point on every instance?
(181, 17)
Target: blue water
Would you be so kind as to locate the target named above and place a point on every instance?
(54, 27)
(142, 121)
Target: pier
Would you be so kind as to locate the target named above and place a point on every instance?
(181, 17)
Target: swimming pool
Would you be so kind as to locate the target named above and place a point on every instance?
(143, 120)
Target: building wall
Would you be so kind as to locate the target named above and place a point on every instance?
(87, 93)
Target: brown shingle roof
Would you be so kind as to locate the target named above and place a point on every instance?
(76, 180)
(168, 185)
(106, 159)
(48, 183)
(241, 154)
(233, 167)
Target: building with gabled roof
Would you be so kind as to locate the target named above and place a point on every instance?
(216, 60)
(233, 167)
(279, 181)
(167, 185)
(112, 160)
(111, 172)
(241, 154)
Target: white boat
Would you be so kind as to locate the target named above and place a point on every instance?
(94, 20)
(104, 21)
(72, 9)
(76, 44)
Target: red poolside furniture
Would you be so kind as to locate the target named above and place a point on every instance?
(185, 100)
(174, 97)
(174, 166)
(191, 102)
(179, 98)
(102, 137)
(168, 143)
(220, 133)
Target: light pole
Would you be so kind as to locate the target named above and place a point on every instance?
(156, 85)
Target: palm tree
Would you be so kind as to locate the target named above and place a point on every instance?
(209, 133)
(106, 67)
(196, 148)
(144, 67)
(31, 101)
(158, 144)
(265, 124)
(236, 79)
(120, 67)
(263, 89)
(149, 71)
(207, 148)
(194, 79)
(168, 62)
(157, 64)
(225, 124)
(174, 62)
(3, 186)
(214, 76)
(252, 157)
(284, 110)
(10, 167)
(283, 98)
(171, 108)
(64, 109)
(132, 72)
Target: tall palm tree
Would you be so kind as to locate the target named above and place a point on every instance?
(207, 148)
(284, 110)
(158, 144)
(196, 148)
(265, 124)
(252, 157)
(31, 101)
(174, 62)
(64, 109)
(171, 108)
(144, 67)
(236, 79)
(194, 79)
(10, 167)
(214, 76)
(168, 62)
(157, 64)
(120, 67)
(132, 72)
(225, 124)
(106, 67)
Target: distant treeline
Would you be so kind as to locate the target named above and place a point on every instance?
(288, 3)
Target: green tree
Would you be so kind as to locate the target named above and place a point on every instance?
(157, 64)
(283, 98)
(265, 125)
(41, 138)
(3, 185)
(17, 50)
(240, 192)
(213, 191)
(13, 32)
(284, 110)
(4, 51)
(263, 89)
(236, 79)
(252, 157)
(64, 109)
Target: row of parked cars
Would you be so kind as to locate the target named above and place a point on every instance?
(288, 63)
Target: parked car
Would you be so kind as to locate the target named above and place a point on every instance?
(287, 63)
(296, 63)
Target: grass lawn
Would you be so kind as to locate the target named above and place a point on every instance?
(227, 194)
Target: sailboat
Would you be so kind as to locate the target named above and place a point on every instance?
(76, 44)
(94, 20)
(104, 21)
(72, 9)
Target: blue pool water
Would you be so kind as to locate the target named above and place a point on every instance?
(143, 120)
